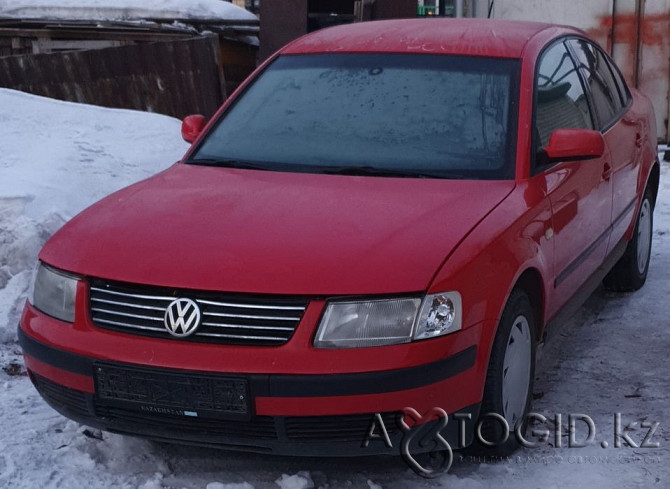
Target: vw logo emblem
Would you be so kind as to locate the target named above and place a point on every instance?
(182, 317)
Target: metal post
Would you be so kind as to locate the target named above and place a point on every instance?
(639, 15)
(612, 39)
(459, 8)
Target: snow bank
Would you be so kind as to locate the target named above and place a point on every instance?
(301, 480)
(57, 158)
(123, 9)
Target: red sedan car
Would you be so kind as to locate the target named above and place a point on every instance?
(386, 215)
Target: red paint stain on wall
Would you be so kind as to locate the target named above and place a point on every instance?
(655, 29)
(621, 36)
(622, 32)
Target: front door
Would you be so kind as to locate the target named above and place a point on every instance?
(580, 192)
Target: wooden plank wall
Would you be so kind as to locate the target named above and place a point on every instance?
(175, 78)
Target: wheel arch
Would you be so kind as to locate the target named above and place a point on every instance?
(530, 281)
(654, 181)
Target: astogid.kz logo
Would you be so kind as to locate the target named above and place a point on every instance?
(424, 447)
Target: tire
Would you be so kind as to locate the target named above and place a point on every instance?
(630, 272)
(509, 380)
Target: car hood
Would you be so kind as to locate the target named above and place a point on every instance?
(254, 231)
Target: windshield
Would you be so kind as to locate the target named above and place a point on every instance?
(380, 114)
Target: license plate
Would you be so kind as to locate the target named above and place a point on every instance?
(173, 394)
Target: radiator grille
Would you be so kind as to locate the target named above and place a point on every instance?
(338, 428)
(231, 319)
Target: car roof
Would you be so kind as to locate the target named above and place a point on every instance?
(479, 37)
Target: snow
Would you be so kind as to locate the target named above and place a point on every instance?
(56, 158)
(123, 9)
(301, 480)
(218, 485)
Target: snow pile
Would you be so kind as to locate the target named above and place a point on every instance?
(57, 158)
(124, 10)
(301, 480)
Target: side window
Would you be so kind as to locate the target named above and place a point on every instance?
(560, 99)
(604, 91)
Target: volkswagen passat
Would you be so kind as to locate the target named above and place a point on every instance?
(386, 215)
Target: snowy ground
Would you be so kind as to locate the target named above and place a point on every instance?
(56, 158)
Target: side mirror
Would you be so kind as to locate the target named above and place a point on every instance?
(574, 144)
(192, 126)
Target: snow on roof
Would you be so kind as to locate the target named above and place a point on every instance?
(101, 10)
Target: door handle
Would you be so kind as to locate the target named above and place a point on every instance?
(607, 172)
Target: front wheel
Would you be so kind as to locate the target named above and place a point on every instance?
(509, 380)
(630, 272)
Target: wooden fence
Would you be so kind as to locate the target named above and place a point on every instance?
(176, 78)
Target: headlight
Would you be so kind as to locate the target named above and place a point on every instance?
(54, 292)
(373, 323)
(440, 314)
(388, 322)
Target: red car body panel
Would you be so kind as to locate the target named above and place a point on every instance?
(275, 233)
(321, 236)
(471, 37)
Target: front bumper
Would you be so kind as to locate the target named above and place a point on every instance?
(323, 436)
(328, 412)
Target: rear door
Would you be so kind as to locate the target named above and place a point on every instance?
(623, 132)
(580, 192)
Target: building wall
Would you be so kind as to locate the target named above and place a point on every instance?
(635, 32)
(285, 20)
(654, 72)
(281, 22)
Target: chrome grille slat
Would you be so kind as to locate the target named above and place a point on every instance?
(226, 318)
(127, 304)
(249, 306)
(243, 326)
(138, 296)
(249, 316)
(242, 337)
(125, 314)
(126, 325)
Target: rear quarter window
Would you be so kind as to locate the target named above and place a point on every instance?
(594, 68)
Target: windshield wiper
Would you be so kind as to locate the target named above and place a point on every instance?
(226, 163)
(330, 170)
(387, 172)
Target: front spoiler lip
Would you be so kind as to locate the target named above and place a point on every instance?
(286, 386)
